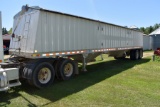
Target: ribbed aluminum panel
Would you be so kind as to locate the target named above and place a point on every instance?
(146, 43)
(47, 31)
(155, 41)
(58, 32)
(25, 29)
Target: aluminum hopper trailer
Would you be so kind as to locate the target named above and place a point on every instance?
(44, 44)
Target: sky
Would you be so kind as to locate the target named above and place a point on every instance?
(141, 13)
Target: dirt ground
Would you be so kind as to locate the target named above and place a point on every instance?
(6, 56)
(147, 54)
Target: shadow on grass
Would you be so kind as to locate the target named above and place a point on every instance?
(60, 89)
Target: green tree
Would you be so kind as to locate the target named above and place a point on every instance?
(4, 31)
(149, 30)
(156, 26)
(142, 29)
(10, 31)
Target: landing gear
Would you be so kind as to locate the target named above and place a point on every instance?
(84, 62)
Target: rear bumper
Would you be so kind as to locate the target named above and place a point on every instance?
(9, 78)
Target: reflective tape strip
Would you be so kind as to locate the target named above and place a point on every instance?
(35, 55)
(79, 52)
(68, 52)
(47, 55)
(43, 54)
(73, 52)
(57, 53)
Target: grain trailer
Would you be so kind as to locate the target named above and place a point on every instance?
(46, 44)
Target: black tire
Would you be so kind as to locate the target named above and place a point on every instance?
(134, 54)
(28, 80)
(37, 79)
(57, 66)
(140, 54)
(67, 69)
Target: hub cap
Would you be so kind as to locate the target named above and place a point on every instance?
(68, 69)
(44, 75)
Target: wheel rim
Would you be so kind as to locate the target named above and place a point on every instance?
(68, 69)
(44, 75)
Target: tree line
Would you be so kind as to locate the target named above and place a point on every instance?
(149, 29)
(4, 31)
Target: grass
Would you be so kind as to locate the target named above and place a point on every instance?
(157, 58)
(117, 83)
